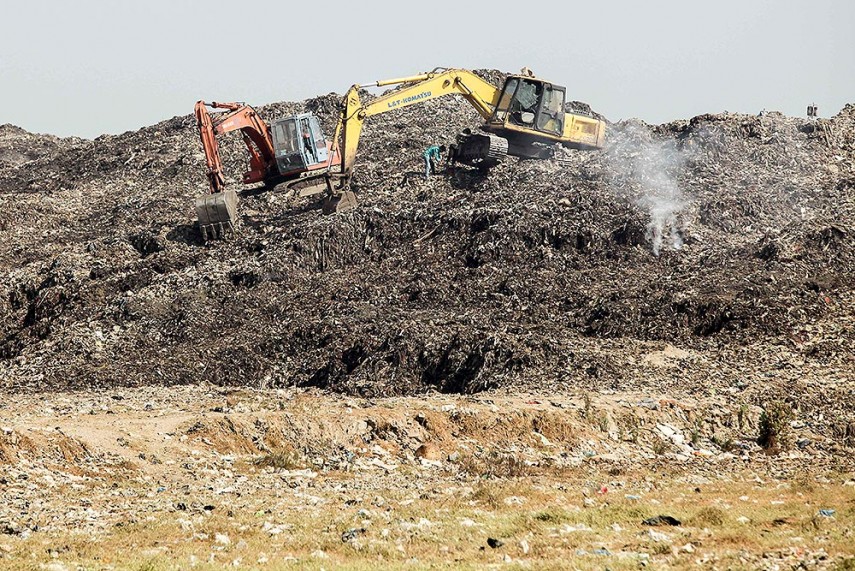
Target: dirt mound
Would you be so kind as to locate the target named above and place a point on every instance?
(730, 235)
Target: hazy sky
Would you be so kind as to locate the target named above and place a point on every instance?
(87, 67)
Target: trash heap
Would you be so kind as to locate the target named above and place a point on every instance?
(729, 236)
(18, 146)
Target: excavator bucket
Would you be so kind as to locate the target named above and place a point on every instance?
(217, 214)
(340, 202)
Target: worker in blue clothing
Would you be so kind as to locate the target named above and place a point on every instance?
(432, 156)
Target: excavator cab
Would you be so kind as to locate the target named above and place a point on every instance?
(528, 104)
(298, 144)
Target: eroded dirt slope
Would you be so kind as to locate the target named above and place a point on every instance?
(214, 478)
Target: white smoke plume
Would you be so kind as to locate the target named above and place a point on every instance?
(643, 169)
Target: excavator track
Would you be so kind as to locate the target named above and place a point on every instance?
(307, 185)
(479, 150)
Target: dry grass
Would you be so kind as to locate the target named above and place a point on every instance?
(546, 518)
(708, 517)
(495, 464)
(281, 460)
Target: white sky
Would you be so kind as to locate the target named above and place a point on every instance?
(86, 67)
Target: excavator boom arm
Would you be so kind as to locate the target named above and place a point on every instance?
(211, 148)
(256, 136)
(481, 94)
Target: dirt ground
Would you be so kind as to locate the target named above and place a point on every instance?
(207, 477)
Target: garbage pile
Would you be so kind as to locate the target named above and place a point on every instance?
(729, 236)
(18, 146)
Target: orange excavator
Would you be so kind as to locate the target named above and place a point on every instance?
(291, 150)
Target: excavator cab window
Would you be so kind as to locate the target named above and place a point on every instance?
(287, 146)
(525, 102)
(505, 100)
(320, 143)
(308, 142)
(551, 116)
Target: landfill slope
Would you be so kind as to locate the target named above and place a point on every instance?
(703, 254)
(18, 146)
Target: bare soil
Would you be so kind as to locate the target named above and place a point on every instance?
(212, 477)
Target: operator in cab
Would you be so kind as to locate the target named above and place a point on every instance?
(307, 143)
(432, 157)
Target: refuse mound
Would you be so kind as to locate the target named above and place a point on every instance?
(728, 235)
(18, 146)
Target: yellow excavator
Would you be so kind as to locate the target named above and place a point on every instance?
(524, 118)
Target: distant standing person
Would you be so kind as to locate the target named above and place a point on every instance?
(432, 156)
